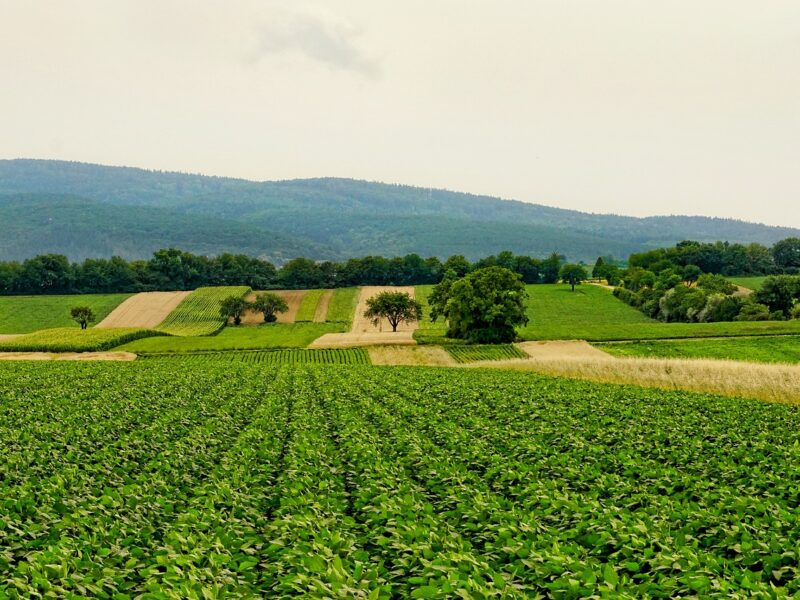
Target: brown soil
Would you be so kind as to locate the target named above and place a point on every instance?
(363, 332)
(108, 356)
(146, 310)
(411, 355)
(292, 297)
(321, 313)
(9, 336)
(561, 349)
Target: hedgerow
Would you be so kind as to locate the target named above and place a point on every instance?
(214, 480)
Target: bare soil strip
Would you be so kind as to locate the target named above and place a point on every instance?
(146, 310)
(108, 356)
(562, 349)
(411, 355)
(292, 297)
(9, 336)
(321, 314)
(363, 332)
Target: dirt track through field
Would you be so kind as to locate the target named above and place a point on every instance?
(107, 356)
(292, 297)
(146, 310)
(363, 332)
(321, 314)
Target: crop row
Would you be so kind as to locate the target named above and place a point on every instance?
(327, 356)
(74, 339)
(472, 353)
(198, 313)
(140, 480)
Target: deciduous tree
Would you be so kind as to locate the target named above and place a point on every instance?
(395, 307)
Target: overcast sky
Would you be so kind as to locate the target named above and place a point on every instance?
(629, 106)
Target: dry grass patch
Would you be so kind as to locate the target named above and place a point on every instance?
(293, 299)
(776, 383)
(105, 356)
(562, 349)
(434, 356)
(145, 310)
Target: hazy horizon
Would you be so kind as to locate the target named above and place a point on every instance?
(618, 107)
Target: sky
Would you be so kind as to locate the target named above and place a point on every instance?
(633, 107)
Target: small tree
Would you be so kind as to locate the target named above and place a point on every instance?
(691, 273)
(268, 304)
(82, 315)
(572, 274)
(395, 307)
(599, 268)
(233, 307)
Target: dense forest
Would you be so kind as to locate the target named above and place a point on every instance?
(83, 210)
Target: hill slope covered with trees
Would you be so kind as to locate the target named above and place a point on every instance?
(91, 210)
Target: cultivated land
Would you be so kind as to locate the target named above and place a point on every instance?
(24, 314)
(274, 335)
(363, 332)
(74, 339)
(222, 481)
(146, 310)
(198, 313)
(293, 299)
(775, 349)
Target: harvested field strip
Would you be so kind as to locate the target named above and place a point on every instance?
(331, 356)
(308, 306)
(293, 299)
(471, 353)
(198, 313)
(146, 310)
(74, 339)
(387, 482)
(342, 306)
(321, 313)
(775, 383)
(411, 355)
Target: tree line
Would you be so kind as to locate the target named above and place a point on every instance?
(172, 269)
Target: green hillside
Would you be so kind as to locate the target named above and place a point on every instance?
(318, 218)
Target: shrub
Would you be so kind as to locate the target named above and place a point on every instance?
(753, 312)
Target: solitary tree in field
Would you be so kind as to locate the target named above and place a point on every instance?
(233, 307)
(572, 274)
(486, 306)
(82, 315)
(268, 304)
(395, 307)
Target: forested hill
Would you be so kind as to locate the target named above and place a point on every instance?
(92, 210)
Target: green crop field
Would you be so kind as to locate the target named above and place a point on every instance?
(308, 306)
(198, 313)
(326, 356)
(74, 339)
(751, 283)
(472, 353)
(271, 335)
(23, 314)
(343, 305)
(140, 480)
(593, 313)
(773, 349)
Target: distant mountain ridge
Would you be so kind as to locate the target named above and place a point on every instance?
(87, 210)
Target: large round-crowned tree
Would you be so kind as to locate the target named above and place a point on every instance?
(486, 306)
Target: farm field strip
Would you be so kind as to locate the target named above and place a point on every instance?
(308, 306)
(145, 310)
(395, 482)
(769, 349)
(329, 356)
(464, 353)
(198, 313)
(74, 339)
(293, 299)
(321, 311)
(25, 314)
(342, 305)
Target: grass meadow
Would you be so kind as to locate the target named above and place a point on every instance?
(769, 349)
(24, 314)
(751, 283)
